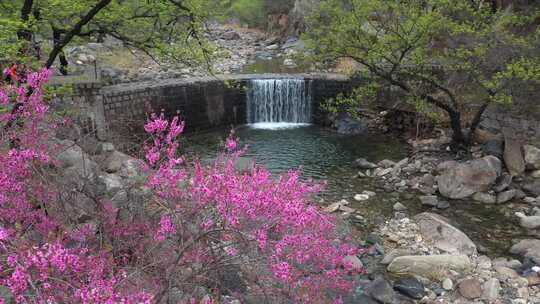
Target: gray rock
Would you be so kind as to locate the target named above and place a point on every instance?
(461, 180)
(363, 299)
(429, 200)
(410, 287)
(470, 289)
(532, 157)
(350, 126)
(381, 290)
(113, 182)
(493, 147)
(513, 157)
(107, 147)
(528, 222)
(353, 261)
(436, 229)
(506, 196)
(113, 162)
(76, 163)
(447, 284)
(506, 273)
(231, 35)
(485, 198)
(503, 262)
(436, 267)
(532, 188)
(503, 182)
(399, 207)
(386, 163)
(443, 205)
(272, 47)
(528, 248)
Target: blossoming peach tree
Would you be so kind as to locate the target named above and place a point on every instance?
(203, 222)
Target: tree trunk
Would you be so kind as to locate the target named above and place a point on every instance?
(460, 141)
(24, 34)
(57, 36)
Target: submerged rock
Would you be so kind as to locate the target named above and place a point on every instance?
(461, 180)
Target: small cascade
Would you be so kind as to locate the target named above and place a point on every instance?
(279, 101)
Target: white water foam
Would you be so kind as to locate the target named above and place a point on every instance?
(277, 125)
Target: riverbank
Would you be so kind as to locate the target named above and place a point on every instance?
(423, 256)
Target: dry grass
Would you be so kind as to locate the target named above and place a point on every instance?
(347, 66)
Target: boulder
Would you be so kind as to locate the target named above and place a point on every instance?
(461, 180)
(532, 157)
(528, 248)
(436, 267)
(436, 229)
(513, 157)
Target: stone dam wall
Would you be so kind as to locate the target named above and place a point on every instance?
(204, 103)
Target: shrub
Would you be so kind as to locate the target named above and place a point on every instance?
(202, 223)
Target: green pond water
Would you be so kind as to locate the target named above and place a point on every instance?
(324, 156)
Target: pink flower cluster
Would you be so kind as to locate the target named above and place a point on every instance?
(199, 218)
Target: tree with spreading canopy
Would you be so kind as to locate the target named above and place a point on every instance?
(449, 56)
(167, 30)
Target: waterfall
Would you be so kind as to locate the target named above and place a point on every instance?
(283, 101)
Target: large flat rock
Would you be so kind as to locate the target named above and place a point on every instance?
(435, 267)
